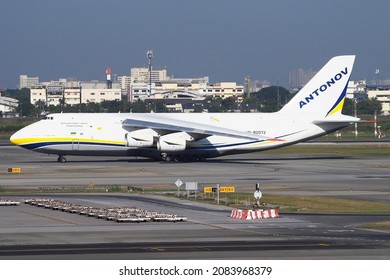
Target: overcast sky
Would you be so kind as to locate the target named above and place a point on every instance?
(223, 39)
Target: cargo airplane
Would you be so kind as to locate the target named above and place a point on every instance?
(314, 111)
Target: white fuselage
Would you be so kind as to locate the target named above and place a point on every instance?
(103, 134)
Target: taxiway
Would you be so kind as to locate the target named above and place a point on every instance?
(28, 232)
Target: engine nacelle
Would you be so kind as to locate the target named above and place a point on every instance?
(138, 140)
(171, 144)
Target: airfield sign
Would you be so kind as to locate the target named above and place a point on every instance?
(227, 189)
(257, 195)
(178, 183)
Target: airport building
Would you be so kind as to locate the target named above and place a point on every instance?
(382, 93)
(8, 106)
(357, 90)
(194, 89)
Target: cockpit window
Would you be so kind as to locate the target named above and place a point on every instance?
(48, 118)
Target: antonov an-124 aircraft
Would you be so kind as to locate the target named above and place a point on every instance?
(312, 112)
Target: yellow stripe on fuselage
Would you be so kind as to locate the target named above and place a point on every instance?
(25, 141)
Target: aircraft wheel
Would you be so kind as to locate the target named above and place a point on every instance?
(61, 159)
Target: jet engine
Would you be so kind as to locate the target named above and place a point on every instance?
(168, 144)
(174, 142)
(138, 140)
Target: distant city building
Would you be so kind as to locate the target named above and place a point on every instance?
(74, 92)
(38, 93)
(97, 92)
(27, 82)
(194, 88)
(258, 85)
(124, 82)
(137, 86)
(357, 90)
(223, 90)
(142, 75)
(300, 77)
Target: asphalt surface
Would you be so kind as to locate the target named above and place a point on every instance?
(325, 175)
(28, 232)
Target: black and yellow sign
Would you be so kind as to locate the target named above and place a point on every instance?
(227, 189)
(221, 189)
(14, 170)
(208, 189)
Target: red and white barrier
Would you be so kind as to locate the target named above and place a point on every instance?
(254, 214)
(236, 214)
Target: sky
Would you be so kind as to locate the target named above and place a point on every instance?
(226, 40)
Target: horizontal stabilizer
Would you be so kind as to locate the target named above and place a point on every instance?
(337, 119)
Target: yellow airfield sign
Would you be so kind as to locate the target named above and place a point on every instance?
(221, 189)
(208, 189)
(227, 189)
(14, 170)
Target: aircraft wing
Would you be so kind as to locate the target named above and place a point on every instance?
(198, 131)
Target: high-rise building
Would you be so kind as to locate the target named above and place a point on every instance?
(300, 77)
(27, 82)
(142, 75)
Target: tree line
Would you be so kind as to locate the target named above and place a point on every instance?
(269, 99)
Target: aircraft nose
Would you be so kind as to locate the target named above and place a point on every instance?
(14, 138)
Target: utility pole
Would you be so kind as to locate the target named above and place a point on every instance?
(375, 129)
(355, 114)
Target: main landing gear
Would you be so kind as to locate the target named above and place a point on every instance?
(185, 158)
(61, 158)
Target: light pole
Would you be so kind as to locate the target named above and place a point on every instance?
(375, 129)
(149, 55)
(355, 114)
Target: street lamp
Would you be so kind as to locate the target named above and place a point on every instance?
(149, 55)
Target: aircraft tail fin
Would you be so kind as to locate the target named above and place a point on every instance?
(324, 94)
